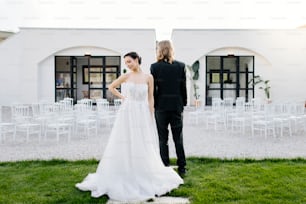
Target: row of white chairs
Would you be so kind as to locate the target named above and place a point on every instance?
(277, 118)
(61, 118)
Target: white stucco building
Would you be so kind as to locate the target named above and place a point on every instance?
(275, 55)
(49, 64)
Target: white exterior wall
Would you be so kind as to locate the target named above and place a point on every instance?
(280, 56)
(27, 58)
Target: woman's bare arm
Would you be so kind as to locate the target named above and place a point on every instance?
(150, 93)
(112, 87)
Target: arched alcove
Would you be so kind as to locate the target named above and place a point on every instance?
(261, 65)
(46, 67)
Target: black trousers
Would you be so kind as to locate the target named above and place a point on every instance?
(175, 119)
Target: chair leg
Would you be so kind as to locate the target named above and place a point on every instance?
(290, 130)
(252, 131)
(281, 129)
(96, 128)
(57, 134)
(69, 133)
(40, 131)
(87, 130)
(14, 134)
(28, 134)
(45, 133)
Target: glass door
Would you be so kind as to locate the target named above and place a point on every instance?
(65, 77)
(228, 76)
(111, 73)
(74, 67)
(87, 76)
(229, 82)
(95, 77)
(245, 73)
(102, 71)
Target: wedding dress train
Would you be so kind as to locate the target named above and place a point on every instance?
(131, 168)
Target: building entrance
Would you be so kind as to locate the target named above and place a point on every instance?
(228, 77)
(87, 76)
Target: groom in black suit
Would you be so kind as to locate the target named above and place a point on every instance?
(170, 97)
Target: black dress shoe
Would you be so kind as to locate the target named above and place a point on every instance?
(150, 200)
(182, 172)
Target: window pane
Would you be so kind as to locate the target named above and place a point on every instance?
(110, 77)
(213, 63)
(61, 94)
(215, 78)
(62, 80)
(229, 63)
(225, 77)
(62, 64)
(96, 80)
(229, 94)
(112, 60)
(96, 61)
(245, 62)
(232, 78)
(243, 81)
(95, 94)
(214, 93)
(95, 69)
(111, 69)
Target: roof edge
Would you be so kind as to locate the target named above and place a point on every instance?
(232, 29)
(106, 29)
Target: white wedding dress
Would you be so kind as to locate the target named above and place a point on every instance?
(131, 168)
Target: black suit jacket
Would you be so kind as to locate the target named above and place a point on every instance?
(170, 92)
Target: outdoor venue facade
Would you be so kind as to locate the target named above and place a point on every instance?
(50, 64)
(229, 59)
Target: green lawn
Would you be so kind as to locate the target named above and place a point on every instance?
(207, 181)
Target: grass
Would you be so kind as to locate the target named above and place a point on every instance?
(207, 181)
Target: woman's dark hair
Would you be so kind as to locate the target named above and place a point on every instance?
(133, 55)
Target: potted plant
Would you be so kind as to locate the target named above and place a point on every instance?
(196, 95)
(194, 69)
(265, 85)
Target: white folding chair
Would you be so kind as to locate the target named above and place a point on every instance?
(24, 121)
(104, 114)
(85, 120)
(6, 127)
(58, 126)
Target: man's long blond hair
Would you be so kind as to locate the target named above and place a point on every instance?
(165, 51)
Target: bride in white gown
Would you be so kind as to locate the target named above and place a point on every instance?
(131, 168)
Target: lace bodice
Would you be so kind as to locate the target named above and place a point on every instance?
(135, 92)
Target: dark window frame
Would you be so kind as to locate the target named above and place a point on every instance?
(73, 70)
(237, 72)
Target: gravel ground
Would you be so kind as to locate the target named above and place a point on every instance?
(197, 140)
